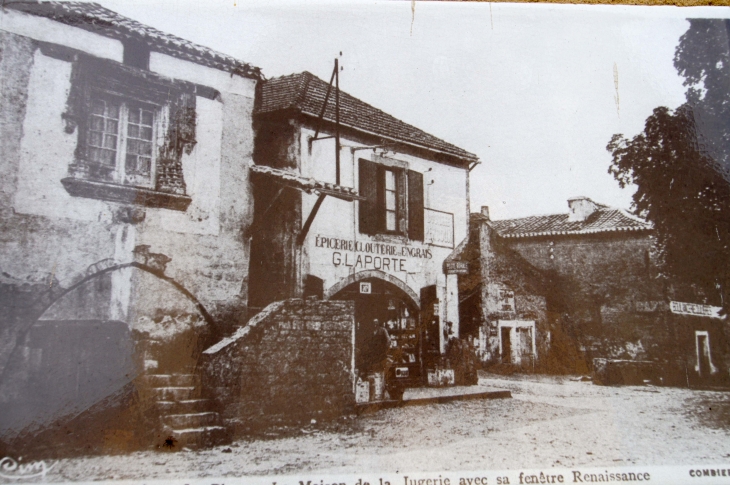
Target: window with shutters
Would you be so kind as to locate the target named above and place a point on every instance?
(393, 200)
(133, 128)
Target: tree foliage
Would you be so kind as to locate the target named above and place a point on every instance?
(702, 58)
(679, 165)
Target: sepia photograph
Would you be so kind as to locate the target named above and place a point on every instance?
(364, 243)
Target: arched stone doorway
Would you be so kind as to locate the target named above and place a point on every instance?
(87, 347)
(382, 298)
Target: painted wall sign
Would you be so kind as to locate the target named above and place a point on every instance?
(650, 306)
(439, 228)
(364, 255)
(682, 308)
(506, 300)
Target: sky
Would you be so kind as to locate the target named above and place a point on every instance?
(535, 91)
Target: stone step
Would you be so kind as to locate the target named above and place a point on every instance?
(174, 393)
(191, 420)
(172, 380)
(186, 406)
(198, 437)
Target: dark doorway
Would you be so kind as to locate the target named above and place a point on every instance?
(506, 345)
(431, 324)
(470, 314)
(703, 351)
(376, 299)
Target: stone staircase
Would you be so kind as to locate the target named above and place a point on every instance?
(184, 415)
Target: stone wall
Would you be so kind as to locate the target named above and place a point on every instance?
(611, 268)
(605, 287)
(292, 362)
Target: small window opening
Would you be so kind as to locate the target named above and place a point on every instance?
(137, 54)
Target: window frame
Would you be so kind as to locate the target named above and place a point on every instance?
(373, 212)
(397, 195)
(118, 173)
(174, 132)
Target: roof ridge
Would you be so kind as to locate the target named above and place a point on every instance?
(414, 129)
(635, 217)
(602, 208)
(306, 92)
(306, 79)
(527, 217)
(96, 18)
(602, 220)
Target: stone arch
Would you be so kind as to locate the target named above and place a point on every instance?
(77, 360)
(373, 273)
(148, 269)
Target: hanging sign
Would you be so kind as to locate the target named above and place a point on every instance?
(456, 267)
(366, 288)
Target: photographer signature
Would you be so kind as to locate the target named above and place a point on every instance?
(14, 470)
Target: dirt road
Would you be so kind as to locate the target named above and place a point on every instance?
(549, 421)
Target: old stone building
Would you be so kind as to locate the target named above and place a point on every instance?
(124, 197)
(183, 256)
(570, 292)
(591, 273)
(499, 288)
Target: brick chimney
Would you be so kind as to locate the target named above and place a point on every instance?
(485, 211)
(580, 208)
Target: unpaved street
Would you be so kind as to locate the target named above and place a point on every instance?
(549, 422)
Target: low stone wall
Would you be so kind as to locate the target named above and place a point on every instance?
(292, 362)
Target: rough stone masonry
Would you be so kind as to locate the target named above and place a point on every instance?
(292, 362)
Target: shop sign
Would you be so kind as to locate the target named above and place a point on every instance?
(694, 309)
(456, 267)
(366, 288)
(364, 255)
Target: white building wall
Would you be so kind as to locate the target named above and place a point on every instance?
(208, 254)
(444, 190)
(48, 30)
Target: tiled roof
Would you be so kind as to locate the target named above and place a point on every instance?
(305, 93)
(306, 184)
(604, 219)
(95, 18)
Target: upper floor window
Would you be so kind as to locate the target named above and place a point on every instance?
(120, 140)
(133, 128)
(394, 200)
(391, 195)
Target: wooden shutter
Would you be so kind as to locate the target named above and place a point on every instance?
(369, 217)
(415, 206)
(401, 202)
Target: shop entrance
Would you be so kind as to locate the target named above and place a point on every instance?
(376, 299)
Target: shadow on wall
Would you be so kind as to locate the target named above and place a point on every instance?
(76, 371)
